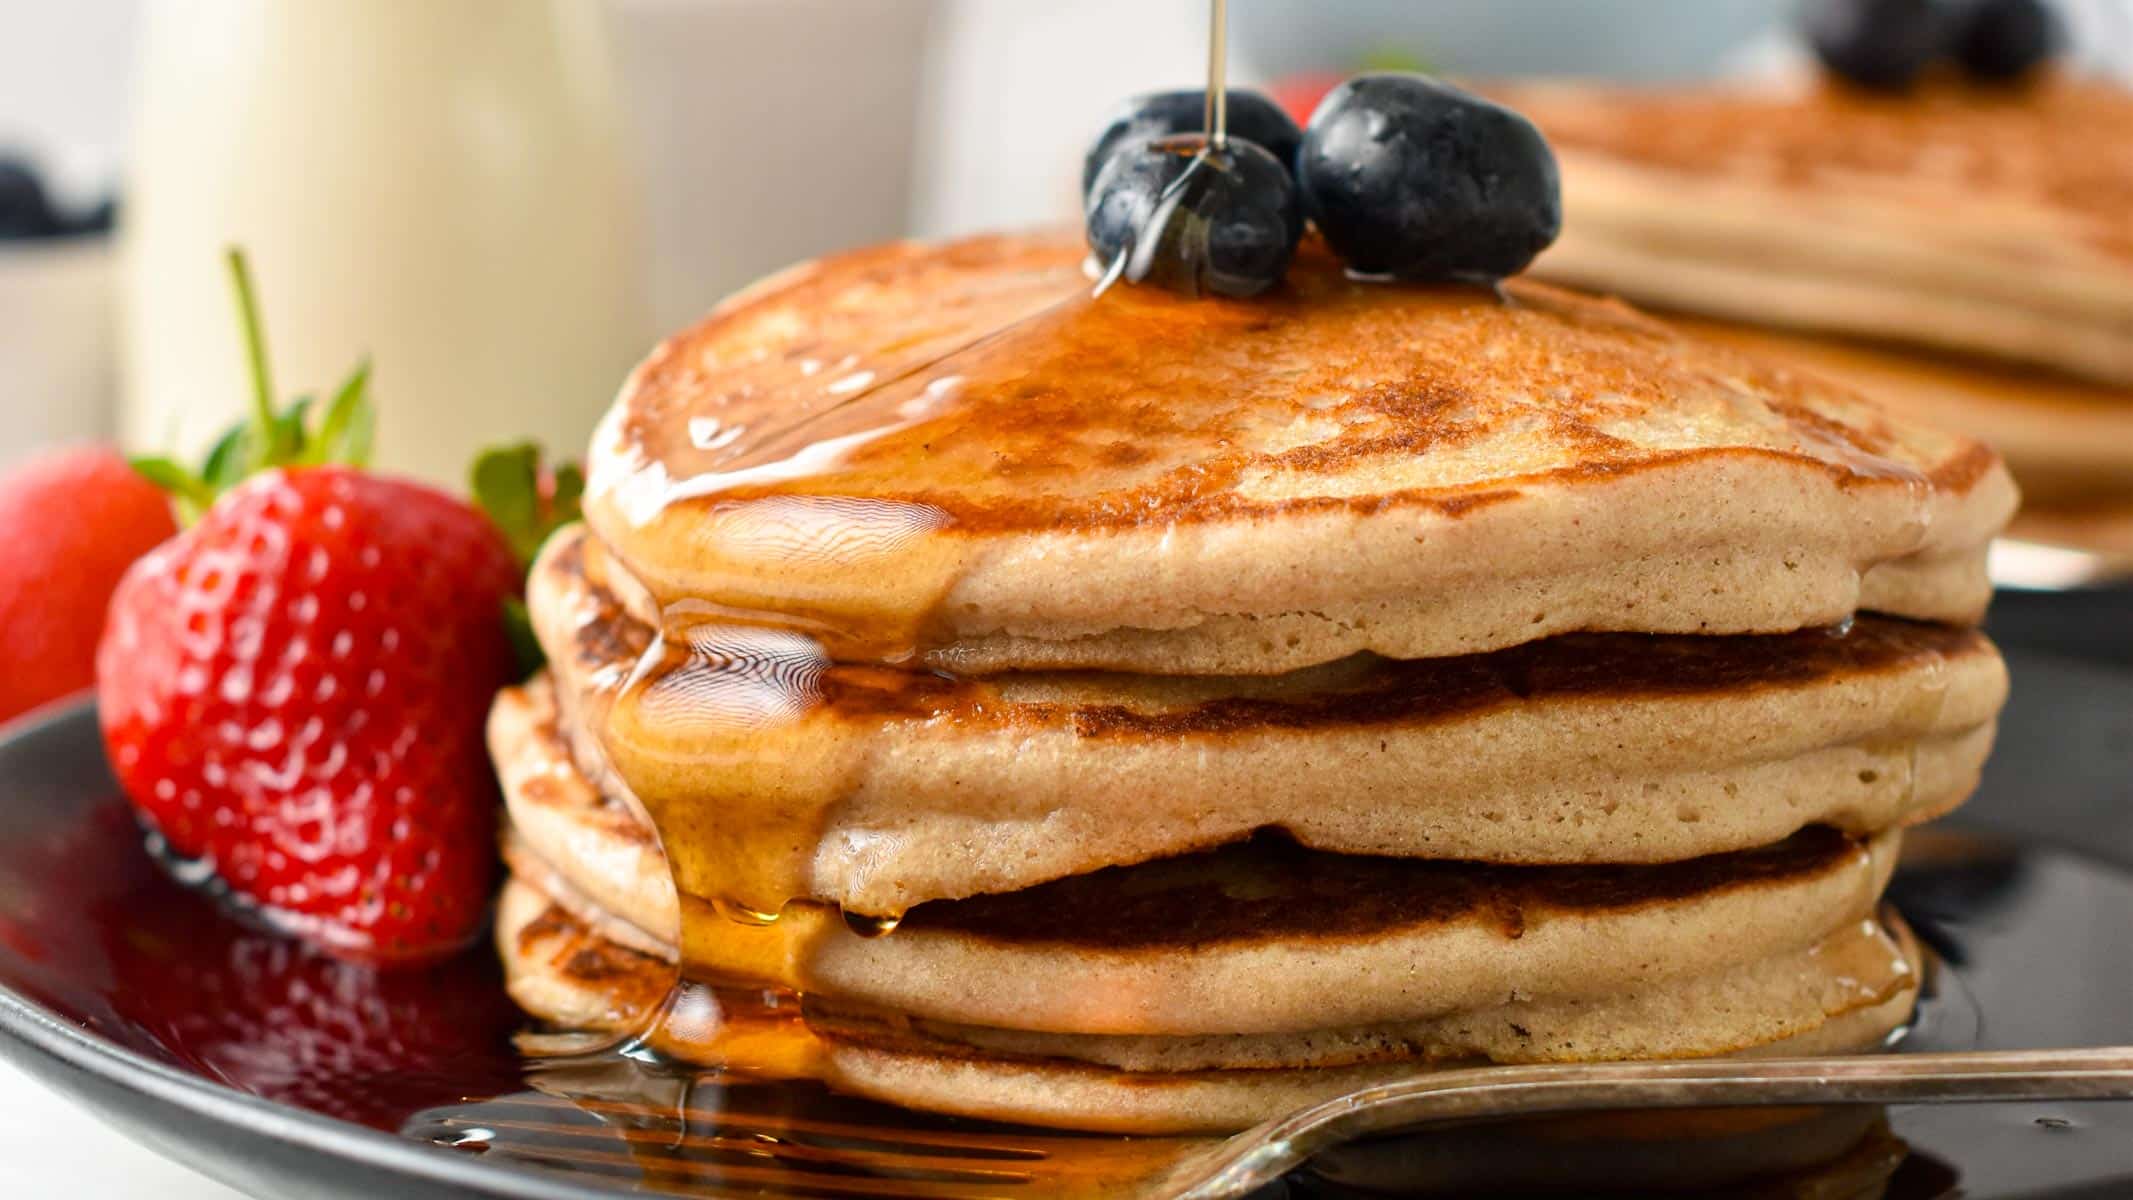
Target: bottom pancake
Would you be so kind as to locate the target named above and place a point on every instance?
(1846, 992)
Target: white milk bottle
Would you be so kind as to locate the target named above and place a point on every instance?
(437, 184)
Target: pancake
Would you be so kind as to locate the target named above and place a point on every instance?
(1846, 992)
(1579, 749)
(1197, 942)
(1979, 221)
(2069, 443)
(951, 456)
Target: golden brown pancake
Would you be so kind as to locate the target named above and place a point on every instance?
(953, 455)
(1584, 748)
(1981, 221)
(1844, 993)
(1111, 951)
(2069, 442)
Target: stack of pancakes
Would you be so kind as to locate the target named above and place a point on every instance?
(1148, 714)
(1962, 254)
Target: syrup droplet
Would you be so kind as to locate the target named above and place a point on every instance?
(871, 927)
(741, 914)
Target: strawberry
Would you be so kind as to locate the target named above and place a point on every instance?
(71, 521)
(1299, 94)
(293, 689)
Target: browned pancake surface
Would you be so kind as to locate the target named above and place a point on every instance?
(1141, 409)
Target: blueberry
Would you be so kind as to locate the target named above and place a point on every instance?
(2000, 41)
(1192, 218)
(1252, 117)
(24, 213)
(1410, 177)
(1882, 45)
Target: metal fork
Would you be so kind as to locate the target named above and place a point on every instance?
(1261, 1155)
(706, 1141)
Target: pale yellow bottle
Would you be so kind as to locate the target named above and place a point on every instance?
(437, 184)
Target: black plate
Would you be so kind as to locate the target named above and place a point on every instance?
(283, 1074)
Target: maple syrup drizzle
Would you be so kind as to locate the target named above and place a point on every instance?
(723, 671)
(1175, 247)
(1218, 74)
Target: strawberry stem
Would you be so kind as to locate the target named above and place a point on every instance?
(265, 429)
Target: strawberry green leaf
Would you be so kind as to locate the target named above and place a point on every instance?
(273, 436)
(188, 492)
(344, 435)
(527, 502)
(507, 485)
(230, 461)
(1389, 56)
(289, 434)
(266, 429)
(567, 503)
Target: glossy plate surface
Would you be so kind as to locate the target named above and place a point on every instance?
(282, 1073)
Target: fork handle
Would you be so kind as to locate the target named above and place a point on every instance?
(2094, 1073)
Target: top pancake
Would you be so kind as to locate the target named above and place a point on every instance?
(1987, 221)
(952, 454)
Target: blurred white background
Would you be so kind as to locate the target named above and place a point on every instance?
(955, 114)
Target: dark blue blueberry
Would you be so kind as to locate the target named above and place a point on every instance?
(2000, 41)
(24, 212)
(1252, 117)
(1882, 45)
(1195, 219)
(1410, 177)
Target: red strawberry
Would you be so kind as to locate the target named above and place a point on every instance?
(293, 691)
(71, 521)
(1299, 94)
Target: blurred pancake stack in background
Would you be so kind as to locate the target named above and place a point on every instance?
(1960, 251)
